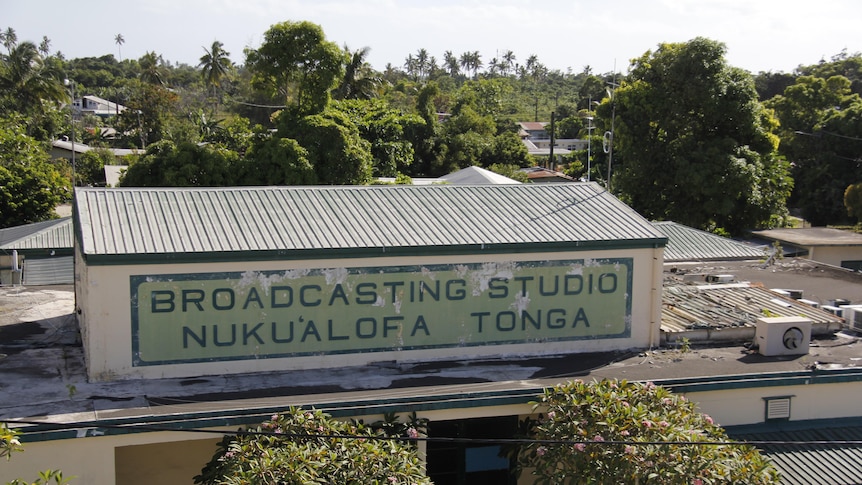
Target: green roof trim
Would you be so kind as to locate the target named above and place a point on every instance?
(310, 254)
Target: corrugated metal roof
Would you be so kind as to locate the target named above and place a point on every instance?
(53, 234)
(716, 307)
(832, 463)
(690, 244)
(205, 220)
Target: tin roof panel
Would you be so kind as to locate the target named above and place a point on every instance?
(201, 220)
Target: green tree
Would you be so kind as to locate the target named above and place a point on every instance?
(150, 110)
(384, 128)
(30, 186)
(300, 447)
(335, 148)
(31, 85)
(297, 63)
(90, 167)
(169, 164)
(637, 418)
(277, 161)
(506, 149)
(821, 130)
(693, 144)
(510, 170)
(152, 69)
(853, 200)
(360, 81)
(215, 66)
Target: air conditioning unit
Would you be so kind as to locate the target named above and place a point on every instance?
(720, 278)
(853, 316)
(783, 335)
(810, 303)
(833, 310)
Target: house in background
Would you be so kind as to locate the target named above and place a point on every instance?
(826, 245)
(63, 149)
(541, 175)
(94, 105)
(538, 141)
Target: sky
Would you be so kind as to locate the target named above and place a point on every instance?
(760, 35)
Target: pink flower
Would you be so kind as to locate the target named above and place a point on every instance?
(708, 418)
(393, 480)
(551, 414)
(412, 433)
(625, 432)
(646, 424)
(540, 451)
(664, 424)
(626, 404)
(630, 449)
(598, 438)
(274, 417)
(697, 481)
(667, 401)
(580, 446)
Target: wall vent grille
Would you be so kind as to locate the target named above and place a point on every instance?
(777, 408)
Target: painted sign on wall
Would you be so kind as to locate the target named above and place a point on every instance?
(202, 317)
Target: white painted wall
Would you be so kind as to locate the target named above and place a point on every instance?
(104, 299)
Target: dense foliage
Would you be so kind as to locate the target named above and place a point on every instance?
(692, 143)
(300, 447)
(30, 185)
(696, 146)
(615, 432)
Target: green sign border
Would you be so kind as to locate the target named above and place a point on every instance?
(137, 280)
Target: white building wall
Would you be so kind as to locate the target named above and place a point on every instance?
(104, 297)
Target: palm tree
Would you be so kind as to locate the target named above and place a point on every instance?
(9, 39)
(451, 63)
(120, 41)
(422, 62)
(45, 46)
(509, 60)
(215, 65)
(151, 71)
(473, 62)
(411, 66)
(30, 81)
(360, 81)
(495, 66)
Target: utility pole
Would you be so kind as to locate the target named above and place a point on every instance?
(553, 140)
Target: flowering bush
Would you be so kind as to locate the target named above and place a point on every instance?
(9, 443)
(306, 447)
(625, 432)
